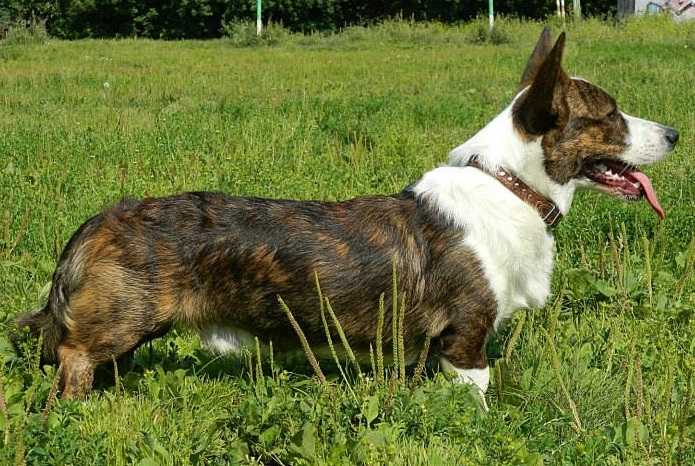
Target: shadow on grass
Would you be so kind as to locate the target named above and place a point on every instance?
(165, 354)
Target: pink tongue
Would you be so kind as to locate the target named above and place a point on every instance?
(649, 192)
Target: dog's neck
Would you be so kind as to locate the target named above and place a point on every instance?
(499, 145)
(547, 209)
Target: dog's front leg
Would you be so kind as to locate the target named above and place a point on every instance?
(480, 377)
(463, 353)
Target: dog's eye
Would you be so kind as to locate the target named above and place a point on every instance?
(614, 114)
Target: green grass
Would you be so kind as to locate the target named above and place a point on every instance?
(602, 375)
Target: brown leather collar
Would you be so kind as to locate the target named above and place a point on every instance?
(546, 208)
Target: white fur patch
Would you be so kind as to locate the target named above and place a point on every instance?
(478, 377)
(226, 339)
(646, 141)
(507, 235)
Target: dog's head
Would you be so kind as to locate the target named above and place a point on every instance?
(585, 139)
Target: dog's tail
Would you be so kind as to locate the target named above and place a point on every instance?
(46, 324)
(49, 322)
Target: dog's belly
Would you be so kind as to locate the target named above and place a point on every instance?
(225, 339)
(228, 339)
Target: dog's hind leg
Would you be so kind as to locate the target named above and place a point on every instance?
(87, 345)
(102, 325)
(77, 372)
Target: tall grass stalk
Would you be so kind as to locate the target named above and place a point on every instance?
(327, 331)
(628, 388)
(686, 408)
(648, 269)
(556, 365)
(19, 452)
(259, 360)
(3, 402)
(372, 362)
(343, 338)
(401, 339)
(615, 257)
(380, 340)
(35, 374)
(515, 335)
(394, 313)
(305, 344)
(639, 388)
(688, 269)
(53, 392)
(499, 383)
(260, 377)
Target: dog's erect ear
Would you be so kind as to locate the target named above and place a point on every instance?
(540, 52)
(538, 109)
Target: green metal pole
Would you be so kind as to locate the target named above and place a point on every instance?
(492, 14)
(259, 23)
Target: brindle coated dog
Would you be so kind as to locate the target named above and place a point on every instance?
(471, 243)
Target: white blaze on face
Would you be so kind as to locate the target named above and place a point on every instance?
(646, 141)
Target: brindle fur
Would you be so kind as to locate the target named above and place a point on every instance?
(197, 259)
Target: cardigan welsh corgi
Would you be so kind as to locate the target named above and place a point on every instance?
(471, 242)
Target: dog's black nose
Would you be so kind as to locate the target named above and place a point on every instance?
(671, 136)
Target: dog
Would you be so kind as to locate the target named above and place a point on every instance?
(471, 242)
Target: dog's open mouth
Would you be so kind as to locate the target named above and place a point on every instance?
(623, 180)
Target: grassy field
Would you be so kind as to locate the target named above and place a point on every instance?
(602, 375)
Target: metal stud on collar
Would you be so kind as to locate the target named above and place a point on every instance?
(547, 209)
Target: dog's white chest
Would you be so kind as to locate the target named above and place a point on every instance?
(517, 261)
(509, 238)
